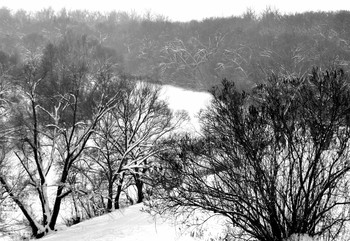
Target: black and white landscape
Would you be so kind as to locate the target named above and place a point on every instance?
(137, 124)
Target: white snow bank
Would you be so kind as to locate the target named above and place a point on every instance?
(129, 224)
(5, 238)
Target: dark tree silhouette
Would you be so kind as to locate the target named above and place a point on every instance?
(274, 161)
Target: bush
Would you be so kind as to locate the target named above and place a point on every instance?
(274, 161)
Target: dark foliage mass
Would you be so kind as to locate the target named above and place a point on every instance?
(196, 54)
(274, 161)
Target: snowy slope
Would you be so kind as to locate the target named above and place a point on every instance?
(129, 224)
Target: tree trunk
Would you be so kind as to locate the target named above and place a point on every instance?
(33, 225)
(56, 208)
(139, 185)
(59, 196)
(119, 191)
(117, 196)
(110, 197)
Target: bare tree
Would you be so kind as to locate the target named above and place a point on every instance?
(60, 106)
(190, 60)
(275, 161)
(127, 139)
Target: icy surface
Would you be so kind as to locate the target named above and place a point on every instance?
(187, 100)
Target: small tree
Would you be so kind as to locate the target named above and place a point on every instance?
(274, 161)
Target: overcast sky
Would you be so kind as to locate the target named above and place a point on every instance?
(182, 10)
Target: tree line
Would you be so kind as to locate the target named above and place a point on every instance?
(195, 54)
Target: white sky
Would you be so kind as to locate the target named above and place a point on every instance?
(182, 10)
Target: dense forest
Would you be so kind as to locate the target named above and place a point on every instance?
(195, 54)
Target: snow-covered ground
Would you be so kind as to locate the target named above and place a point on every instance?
(131, 224)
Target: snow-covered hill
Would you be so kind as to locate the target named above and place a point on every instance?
(125, 224)
(131, 224)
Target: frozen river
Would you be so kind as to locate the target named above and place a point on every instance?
(190, 101)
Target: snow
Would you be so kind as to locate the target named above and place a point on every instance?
(5, 238)
(128, 224)
(187, 100)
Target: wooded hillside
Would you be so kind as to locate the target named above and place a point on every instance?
(196, 54)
